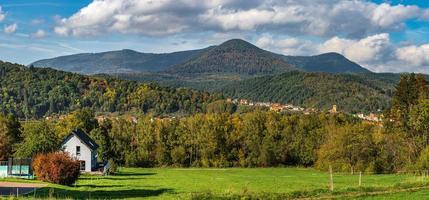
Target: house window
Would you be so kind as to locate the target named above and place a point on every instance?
(82, 165)
(78, 150)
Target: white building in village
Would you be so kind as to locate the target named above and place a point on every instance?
(80, 146)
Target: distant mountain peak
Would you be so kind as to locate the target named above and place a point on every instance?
(332, 54)
(330, 62)
(238, 44)
(129, 50)
(234, 56)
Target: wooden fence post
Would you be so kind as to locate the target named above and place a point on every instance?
(331, 184)
(360, 179)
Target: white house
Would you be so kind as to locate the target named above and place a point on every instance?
(80, 146)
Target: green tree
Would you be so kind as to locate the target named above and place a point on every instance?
(221, 106)
(39, 137)
(9, 135)
(406, 95)
(348, 147)
(419, 120)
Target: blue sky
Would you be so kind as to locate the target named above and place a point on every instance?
(384, 36)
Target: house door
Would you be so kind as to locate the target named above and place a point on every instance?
(82, 165)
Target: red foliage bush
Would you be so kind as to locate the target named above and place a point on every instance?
(57, 167)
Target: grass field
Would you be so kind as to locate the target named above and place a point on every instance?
(170, 183)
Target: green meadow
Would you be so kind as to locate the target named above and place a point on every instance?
(236, 183)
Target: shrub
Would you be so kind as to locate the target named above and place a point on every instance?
(422, 162)
(113, 167)
(57, 167)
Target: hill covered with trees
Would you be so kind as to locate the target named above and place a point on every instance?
(233, 56)
(37, 92)
(350, 92)
(117, 61)
(328, 62)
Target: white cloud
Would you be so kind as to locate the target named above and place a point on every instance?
(129, 16)
(375, 52)
(385, 15)
(2, 15)
(415, 55)
(365, 51)
(288, 46)
(38, 34)
(425, 15)
(11, 28)
(352, 19)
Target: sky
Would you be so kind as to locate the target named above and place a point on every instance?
(381, 35)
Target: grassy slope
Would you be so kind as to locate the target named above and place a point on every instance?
(180, 183)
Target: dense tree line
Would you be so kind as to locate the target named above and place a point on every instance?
(37, 92)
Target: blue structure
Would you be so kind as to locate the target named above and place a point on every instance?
(17, 168)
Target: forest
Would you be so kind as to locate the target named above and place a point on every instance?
(252, 139)
(33, 93)
(351, 92)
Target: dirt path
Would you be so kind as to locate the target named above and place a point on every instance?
(12, 188)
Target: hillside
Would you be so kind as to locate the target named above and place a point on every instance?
(353, 92)
(37, 92)
(235, 57)
(328, 62)
(350, 92)
(117, 61)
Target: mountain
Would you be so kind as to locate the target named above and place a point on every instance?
(328, 62)
(117, 61)
(350, 92)
(37, 92)
(234, 56)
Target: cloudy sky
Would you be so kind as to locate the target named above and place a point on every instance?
(383, 36)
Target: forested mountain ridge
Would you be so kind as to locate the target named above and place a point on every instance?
(37, 92)
(117, 61)
(350, 92)
(236, 57)
(328, 62)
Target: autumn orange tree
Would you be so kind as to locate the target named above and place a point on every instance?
(56, 167)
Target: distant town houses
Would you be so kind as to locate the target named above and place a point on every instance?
(371, 117)
(272, 106)
(276, 107)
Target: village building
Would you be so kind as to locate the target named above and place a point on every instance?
(334, 109)
(244, 101)
(81, 147)
(276, 107)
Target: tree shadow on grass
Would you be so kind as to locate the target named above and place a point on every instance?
(61, 193)
(119, 178)
(98, 186)
(134, 174)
